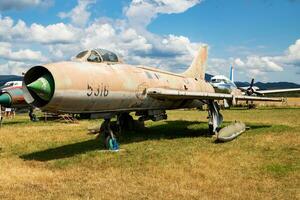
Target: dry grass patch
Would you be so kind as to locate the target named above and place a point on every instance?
(173, 159)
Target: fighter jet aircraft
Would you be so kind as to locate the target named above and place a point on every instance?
(97, 81)
(11, 96)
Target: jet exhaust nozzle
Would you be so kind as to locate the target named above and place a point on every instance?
(43, 87)
(38, 86)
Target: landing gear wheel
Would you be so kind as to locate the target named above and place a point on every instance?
(111, 143)
(108, 143)
(211, 129)
(126, 122)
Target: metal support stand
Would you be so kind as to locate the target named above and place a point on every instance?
(215, 117)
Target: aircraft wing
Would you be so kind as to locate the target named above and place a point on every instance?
(161, 93)
(278, 91)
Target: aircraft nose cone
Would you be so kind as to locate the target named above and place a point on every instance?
(5, 100)
(43, 87)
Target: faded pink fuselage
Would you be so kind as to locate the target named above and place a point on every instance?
(86, 87)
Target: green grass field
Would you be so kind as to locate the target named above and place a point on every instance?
(173, 159)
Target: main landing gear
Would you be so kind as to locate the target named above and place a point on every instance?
(227, 133)
(110, 141)
(215, 117)
(111, 131)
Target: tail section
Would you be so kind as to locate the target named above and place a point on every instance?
(198, 66)
(232, 73)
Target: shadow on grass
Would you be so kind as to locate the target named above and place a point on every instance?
(65, 151)
(11, 122)
(168, 130)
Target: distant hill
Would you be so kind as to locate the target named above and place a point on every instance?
(269, 86)
(6, 78)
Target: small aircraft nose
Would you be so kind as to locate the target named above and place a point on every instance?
(5, 99)
(43, 87)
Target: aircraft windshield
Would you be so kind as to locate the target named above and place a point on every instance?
(98, 56)
(107, 56)
(8, 84)
(216, 80)
(94, 57)
(82, 54)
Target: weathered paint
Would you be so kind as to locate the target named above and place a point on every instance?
(16, 97)
(102, 87)
(5, 99)
(230, 132)
(100, 84)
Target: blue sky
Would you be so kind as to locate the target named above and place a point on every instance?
(261, 38)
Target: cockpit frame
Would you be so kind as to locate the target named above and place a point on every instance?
(98, 56)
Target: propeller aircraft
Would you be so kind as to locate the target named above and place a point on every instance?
(223, 84)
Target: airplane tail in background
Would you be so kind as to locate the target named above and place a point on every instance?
(198, 66)
(231, 73)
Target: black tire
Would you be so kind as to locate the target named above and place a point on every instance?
(126, 122)
(130, 123)
(211, 129)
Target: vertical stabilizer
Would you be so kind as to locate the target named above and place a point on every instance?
(232, 73)
(198, 66)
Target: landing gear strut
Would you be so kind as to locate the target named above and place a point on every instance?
(111, 130)
(110, 141)
(125, 122)
(215, 117)
(32, 115)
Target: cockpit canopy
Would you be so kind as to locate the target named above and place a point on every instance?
(98, 56)
(13, 83)
(219, 79)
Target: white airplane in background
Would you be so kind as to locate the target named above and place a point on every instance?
(12, 85)
(225, 85)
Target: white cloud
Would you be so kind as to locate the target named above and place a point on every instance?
(291, 55)
(256, 65)
(141, 12)
(264, 64)
(26, 55)
(80, 14)
(259, 66)
(21, 4)
(136, 45)
(54, 33)
(13, 67)
(20, 55)
(129, 37)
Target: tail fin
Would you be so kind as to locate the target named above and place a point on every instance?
(198, 66)
(232, 73)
